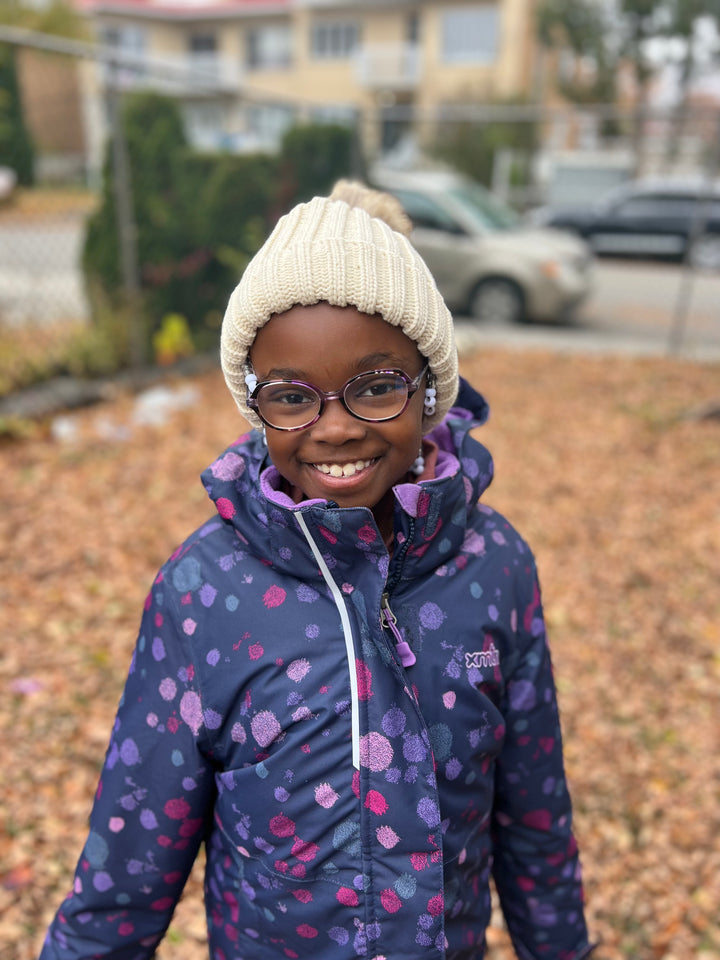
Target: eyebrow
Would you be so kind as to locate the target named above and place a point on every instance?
(373, 361)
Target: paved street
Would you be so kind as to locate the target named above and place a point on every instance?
(641, 308)
(636, 307)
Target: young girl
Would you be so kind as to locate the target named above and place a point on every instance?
(342, 684)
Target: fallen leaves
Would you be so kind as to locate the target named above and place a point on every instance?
(615, 487)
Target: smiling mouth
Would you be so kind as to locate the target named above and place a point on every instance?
(342, 469)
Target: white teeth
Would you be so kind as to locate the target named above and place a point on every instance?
(344, 469)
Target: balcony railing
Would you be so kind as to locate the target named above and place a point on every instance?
(391, 66)
(181, 74)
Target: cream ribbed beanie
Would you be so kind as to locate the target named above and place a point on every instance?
(325, 250)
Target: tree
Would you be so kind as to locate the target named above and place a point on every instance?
(472, 146)
(683, 17)
(16, 148)
(610, 36)
(313, 156)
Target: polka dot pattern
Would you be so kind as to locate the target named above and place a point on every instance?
(235, 730)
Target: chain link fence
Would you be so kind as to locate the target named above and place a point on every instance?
(72, 93)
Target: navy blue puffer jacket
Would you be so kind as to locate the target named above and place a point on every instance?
(353, 802)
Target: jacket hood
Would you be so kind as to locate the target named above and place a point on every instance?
(246, 487)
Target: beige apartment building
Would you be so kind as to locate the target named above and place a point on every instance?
(244, 70)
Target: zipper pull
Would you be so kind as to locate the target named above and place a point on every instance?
(389, 620)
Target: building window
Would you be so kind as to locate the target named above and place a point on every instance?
(470, 34)
(269, 47)
(131, 44)
(412, 28)
(267, 124)
(202, 51)
(334, 39)
(202, 44)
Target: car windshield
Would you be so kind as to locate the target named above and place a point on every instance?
(488, 211)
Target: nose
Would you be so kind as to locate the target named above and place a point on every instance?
(336, 425)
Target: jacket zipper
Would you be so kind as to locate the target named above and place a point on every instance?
(347, 634)
(389, 620)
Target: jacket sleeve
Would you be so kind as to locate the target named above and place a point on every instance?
(536, 866)
(151, 808)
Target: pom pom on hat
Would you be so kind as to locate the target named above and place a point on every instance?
(326, 250)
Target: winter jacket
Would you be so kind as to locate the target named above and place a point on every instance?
(351, 806)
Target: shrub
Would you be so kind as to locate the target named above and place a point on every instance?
(16, 148)
(471, 147)
(313, 157)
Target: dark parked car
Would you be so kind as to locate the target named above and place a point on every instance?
(674, 220)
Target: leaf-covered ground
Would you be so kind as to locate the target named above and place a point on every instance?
(606, 470)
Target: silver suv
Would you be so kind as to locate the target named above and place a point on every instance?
(486, 263)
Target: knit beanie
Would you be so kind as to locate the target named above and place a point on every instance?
(326, 250)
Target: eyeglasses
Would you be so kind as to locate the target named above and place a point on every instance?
(376, 396)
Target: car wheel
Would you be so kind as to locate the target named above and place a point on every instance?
(705, 252)
(497, 300)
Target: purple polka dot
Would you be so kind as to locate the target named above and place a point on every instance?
(148, 819)
(129, 753)
(207, 594)
(393, 723)
(102, 881)
(522, 695)
(428, 811)
(414, 750)
(431, 616)
(213, 720)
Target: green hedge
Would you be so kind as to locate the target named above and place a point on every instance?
(16, 147)
(199, 217)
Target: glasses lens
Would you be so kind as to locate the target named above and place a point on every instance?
(376, 396)
(283, 404)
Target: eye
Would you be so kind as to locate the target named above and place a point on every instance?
(378, 386)
(288, 395)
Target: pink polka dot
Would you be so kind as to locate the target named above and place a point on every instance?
(376, 802)
(225, 508)
(274, 596)
(390, 901)
(538, 819)
(298, 669)
(304, 896)
(419, 861)
(387, 837)
(347, 897)
(177, 809)
(368, 533)
(364, 677)
(326, 796)
(191, 710)
(304, 850)
(255, 651)
(126, 929)
(282, 826)
(376, 752)
(305, 930)
(164, 903)
(436, 905)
